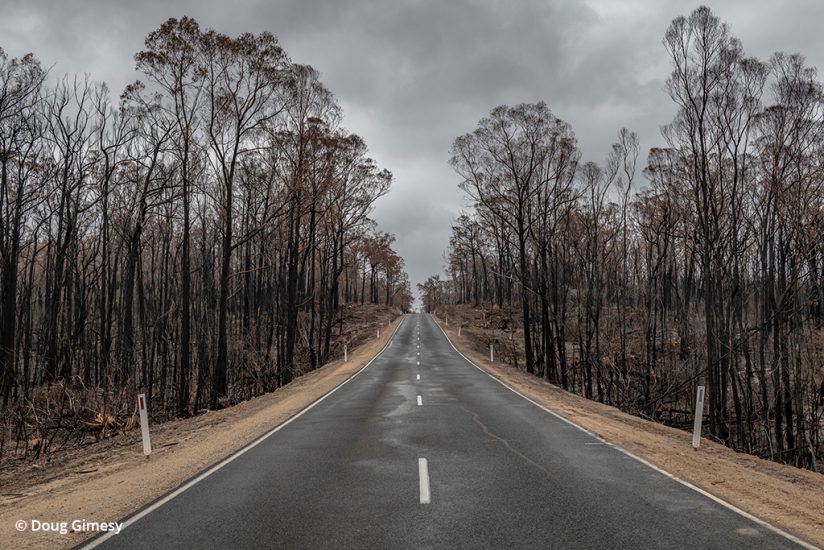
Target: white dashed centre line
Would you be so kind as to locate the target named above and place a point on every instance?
(419, 377)
(423, 474)
(420, 401)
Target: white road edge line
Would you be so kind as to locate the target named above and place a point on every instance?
(420, 401)
(687, 484)
(423, 476)
(163, 500)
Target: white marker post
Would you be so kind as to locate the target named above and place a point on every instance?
(379, 333)
(491, 353)
(699, 415)
(459, 330)
(144, 424)
(447, 320)
(345, 354)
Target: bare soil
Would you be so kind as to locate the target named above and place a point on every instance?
(789, 498)
(112, 479)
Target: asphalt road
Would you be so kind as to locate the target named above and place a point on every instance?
(502, 473)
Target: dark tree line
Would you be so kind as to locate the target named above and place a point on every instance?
(712, 273)
(197, 240)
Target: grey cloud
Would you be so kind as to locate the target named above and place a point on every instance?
(414, 74)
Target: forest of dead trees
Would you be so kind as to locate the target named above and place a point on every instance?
(711, 272)
(196, 240)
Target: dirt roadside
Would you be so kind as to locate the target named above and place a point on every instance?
(789, 498)
(110, 480)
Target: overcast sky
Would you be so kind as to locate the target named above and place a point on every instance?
(413, 75)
